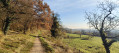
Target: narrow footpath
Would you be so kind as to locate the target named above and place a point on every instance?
(37, 48)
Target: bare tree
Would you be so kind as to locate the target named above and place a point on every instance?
(104, 20)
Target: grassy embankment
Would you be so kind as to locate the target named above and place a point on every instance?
(47, 47)
(16, 43)
(92, 45)
(55, 44)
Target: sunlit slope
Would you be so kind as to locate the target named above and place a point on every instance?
(87, 44)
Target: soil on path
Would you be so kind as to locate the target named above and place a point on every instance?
(37, 48)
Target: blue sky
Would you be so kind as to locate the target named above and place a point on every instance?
(72, 12)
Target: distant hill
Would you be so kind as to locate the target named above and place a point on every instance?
(111, 33)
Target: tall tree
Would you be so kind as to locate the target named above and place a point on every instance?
(43, 14)
(13, 9)
(104, 20)
(6, 4)
(55, 29)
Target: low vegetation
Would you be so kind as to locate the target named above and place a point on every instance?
(57, 43)
(17, 43)
(47, 47)
(92, 45)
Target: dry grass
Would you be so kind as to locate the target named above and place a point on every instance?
(47, 47)
(57, 43)
(15, 43)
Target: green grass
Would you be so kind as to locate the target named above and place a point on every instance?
(93, 45)
(18, 43)
(47, 47)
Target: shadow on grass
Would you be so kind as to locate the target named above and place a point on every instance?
(35, 36)
(71, 37)
(82, 38)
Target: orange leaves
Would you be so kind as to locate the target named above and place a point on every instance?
(43, 11)
(30, 14)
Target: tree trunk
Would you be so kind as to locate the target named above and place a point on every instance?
(24, 31)
(25, 28)
(80, 35)
(105, 44)
(3, 23)
(7, 24)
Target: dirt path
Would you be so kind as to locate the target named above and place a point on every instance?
(37, 48)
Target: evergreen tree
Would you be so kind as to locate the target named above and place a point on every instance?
(55, 29)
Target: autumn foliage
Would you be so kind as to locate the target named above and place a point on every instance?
(24, 15)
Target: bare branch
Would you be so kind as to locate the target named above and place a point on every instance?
(111, 42)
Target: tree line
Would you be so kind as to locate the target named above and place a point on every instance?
(26, 15)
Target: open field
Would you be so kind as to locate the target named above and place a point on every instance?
(87, 44)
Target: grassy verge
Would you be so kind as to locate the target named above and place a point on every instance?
(17, 43)
(47, 47)
(57, 43)
(92, 45)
